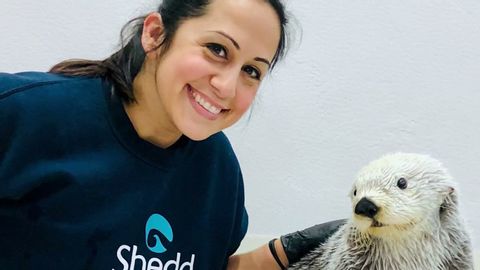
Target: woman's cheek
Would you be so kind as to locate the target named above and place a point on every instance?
(244, 99)
(194, 67)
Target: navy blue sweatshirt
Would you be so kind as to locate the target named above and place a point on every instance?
(80, 190)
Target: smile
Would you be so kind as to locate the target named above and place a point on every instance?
(205, 104)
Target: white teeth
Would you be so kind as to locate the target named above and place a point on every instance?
(209, 107)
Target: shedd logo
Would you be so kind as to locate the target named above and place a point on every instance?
(158, 222)
(158, 226)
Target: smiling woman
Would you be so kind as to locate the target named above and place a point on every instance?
(217, 67)
(110, 164)
(213, 67)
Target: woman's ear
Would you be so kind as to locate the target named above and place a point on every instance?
(152, 35)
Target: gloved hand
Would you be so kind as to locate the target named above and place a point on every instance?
(299, 243)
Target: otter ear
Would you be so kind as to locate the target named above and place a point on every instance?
(449, 203)
(152, 34)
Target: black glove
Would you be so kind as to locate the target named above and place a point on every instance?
(299, 243)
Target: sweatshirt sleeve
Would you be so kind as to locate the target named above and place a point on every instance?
(8, 122)
(17, 134)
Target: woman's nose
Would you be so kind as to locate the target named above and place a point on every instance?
(225, 82)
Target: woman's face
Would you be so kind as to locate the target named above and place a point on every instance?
(210, 74)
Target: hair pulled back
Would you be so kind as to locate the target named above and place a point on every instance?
(123, 66)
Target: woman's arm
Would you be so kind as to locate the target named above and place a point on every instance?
(290, 248)
(260, 258)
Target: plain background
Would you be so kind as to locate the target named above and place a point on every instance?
(363, 78)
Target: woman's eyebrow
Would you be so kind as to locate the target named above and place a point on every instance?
(260, 59)
(235, 43)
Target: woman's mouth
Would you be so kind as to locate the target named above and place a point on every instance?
(203, 106)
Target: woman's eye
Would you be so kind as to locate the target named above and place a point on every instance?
(217, 49)
(252, 72)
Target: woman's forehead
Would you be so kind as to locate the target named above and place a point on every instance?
(252, 24)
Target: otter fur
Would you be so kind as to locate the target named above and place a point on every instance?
(405, 217)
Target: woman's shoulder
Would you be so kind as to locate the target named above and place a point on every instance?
(216, 149)
(220, 144)
(13, 83)
(29, 95)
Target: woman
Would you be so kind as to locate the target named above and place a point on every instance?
(121, 163)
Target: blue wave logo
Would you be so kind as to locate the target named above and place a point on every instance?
(158, 226)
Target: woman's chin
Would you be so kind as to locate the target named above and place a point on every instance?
(197, 135)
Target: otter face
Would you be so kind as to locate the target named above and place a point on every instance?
(399, 193)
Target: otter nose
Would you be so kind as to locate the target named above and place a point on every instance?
(367, 208)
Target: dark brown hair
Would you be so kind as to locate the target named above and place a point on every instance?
(122, 66)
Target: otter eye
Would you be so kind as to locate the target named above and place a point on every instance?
(402, 183)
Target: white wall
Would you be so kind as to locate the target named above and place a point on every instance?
(369, 77)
